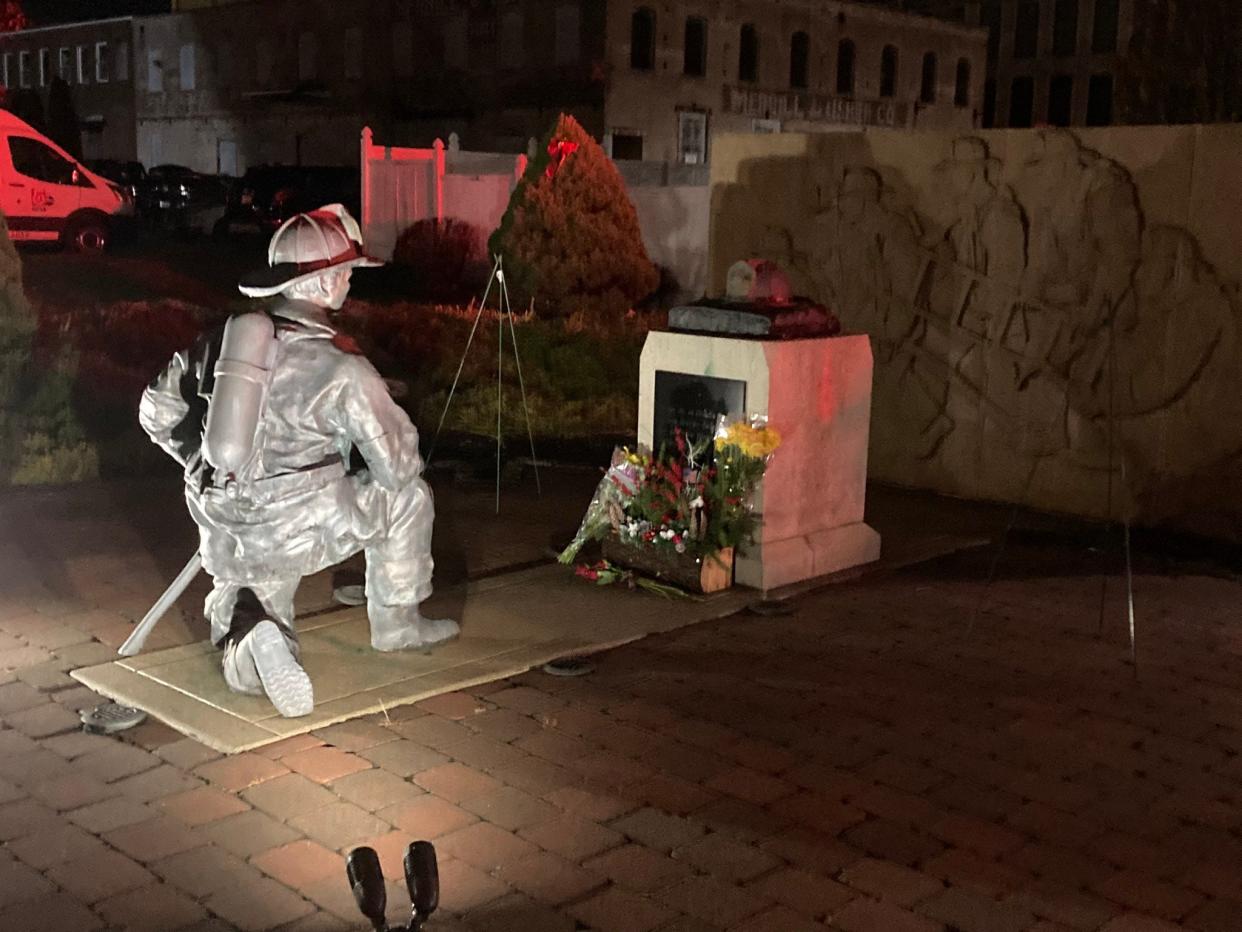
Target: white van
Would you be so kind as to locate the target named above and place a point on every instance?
(45, 194)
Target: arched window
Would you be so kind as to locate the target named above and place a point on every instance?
(927, 87)
(799, 60)
(748, 54)
(845, 67)
(695, 59)
(1065, 27)
(961, 84)
(888, 71)
(642, 39)
(1026, 29)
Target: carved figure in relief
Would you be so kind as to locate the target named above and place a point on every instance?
(999, 295)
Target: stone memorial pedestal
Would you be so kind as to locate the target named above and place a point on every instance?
(817, 394)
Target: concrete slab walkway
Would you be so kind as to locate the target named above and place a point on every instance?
(874, 761)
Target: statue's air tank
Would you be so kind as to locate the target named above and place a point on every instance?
(242, 375)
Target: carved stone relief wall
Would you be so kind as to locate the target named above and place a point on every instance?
(1046, 325)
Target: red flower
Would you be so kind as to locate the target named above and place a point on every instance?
(587, 572)
(559, 150)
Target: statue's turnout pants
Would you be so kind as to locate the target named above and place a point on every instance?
(398, 577)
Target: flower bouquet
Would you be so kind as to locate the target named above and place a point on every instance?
(671, 517)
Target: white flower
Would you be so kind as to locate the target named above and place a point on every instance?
(681, 548)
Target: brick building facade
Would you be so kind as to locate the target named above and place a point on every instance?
(222, 84)
(95, 59)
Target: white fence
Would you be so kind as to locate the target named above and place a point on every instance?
(401, 186)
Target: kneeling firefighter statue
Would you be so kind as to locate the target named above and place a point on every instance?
(265, 415)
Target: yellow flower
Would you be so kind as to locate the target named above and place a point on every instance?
(755, 442)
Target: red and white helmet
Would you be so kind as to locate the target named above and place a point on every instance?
(306, 245)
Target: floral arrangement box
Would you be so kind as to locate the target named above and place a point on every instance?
(817, 393)
(678, 515)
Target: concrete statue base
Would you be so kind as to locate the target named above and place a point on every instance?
(817, 394)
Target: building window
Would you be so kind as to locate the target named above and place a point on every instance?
(64, 64)
(1065, 27)
(1100, 100)
(23, 69)
(155, 72)
(695, 62)
(888, 71)
(642, 39)
(403, 50)
(456, 48)
(122, 61)
(263, 63)
(79, 55)
(989, 103)
(627, 147)
(6, 57)
(1104, 29)
(224, 63)
(45, 67)
(1060, 99)
(990, 19)
(1022, 101)
(799, 60)
(308, 55)
(927, 86)
(748, 54)
(692, 137)
(845, 67)
(188, 71)
(568, 35)
(1026, 29)
(353, 53)
(101, 62)
(511, 51)
(961, 84)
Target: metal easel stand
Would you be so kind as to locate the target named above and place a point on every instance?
(1129, 563)
(503, 310)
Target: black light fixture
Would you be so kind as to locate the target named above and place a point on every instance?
(422, 879)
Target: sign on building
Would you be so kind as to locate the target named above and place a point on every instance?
(813, 108)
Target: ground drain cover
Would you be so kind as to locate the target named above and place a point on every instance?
(569, 666)
(772, 607)
(350, 595)
(110, 718)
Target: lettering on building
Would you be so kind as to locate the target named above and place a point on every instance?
(813, 108)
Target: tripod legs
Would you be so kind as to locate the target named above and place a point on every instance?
(504, 309)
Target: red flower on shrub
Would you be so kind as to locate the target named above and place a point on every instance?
(558, 151)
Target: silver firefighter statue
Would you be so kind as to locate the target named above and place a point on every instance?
(266, 416)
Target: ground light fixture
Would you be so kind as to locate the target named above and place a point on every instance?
(422, 879)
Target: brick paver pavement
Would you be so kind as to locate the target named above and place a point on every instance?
(887, 758)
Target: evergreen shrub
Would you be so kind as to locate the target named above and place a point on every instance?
(570, 238)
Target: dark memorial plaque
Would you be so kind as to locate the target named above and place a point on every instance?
(693, 403)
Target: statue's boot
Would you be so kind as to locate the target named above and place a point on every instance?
(264, 663)
(400, 627)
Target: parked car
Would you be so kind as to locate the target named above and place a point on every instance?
(47, 195)
(178, 198)
(131, 176)
(268, 195)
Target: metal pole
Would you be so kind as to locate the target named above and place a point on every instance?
(461, 365)
(500, 355)
(508, 309)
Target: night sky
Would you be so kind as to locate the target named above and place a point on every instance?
(50, 12)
